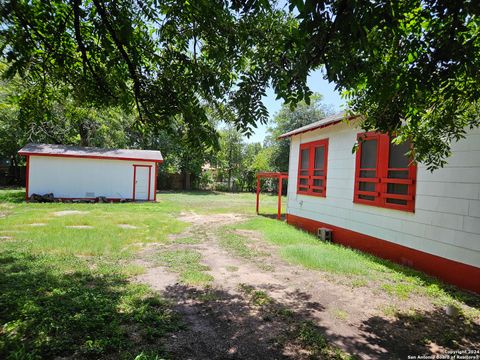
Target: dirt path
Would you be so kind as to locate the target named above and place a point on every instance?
(223, 322)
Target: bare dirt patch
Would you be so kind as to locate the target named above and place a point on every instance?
(70, 212)
(210, 219)
(127, 226)
(223, 323)
(79, 227)
(37, 224)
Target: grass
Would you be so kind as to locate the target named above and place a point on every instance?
(187, 263)
(65, 292)
(54, 305)
(357, 268)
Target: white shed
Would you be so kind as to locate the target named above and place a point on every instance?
(73, 172)
(377, 201)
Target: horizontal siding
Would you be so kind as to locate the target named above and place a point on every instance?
(446, 221)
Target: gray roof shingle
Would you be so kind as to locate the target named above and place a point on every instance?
(90, 152)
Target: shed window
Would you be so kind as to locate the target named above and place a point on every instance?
(312, 169)
(384, 174)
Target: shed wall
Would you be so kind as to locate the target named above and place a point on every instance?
(84, 178)
(446, 221)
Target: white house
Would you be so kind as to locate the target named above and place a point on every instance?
(375, 200)
(72, 172)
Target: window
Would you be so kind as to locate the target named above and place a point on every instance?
(312, 168)
(384, 175)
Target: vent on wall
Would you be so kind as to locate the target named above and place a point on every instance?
(325, 234)
(90, 194)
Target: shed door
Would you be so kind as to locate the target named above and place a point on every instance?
(141, 186)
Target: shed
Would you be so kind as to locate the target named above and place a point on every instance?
(74, 172)
(378, 201)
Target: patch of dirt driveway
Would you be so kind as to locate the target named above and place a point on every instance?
(224, 321)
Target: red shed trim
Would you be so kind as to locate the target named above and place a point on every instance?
(135, 179)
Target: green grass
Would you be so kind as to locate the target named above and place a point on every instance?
(105, 237)
(55, 305)
(357, 268)
(187, 263)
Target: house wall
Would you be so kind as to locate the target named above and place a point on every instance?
(446, 221)
(84, 178)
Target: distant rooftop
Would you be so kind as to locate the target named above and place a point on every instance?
(326, 121)
(90, 152)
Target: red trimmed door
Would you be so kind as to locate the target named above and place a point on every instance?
(141, 182)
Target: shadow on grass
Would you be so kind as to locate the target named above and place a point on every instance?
(47, 313)
(12, 195)
(413, 333)
(223, 325)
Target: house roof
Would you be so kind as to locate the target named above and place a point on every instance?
(326, 121)
(90, 152)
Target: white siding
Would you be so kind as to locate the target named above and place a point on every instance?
(84, 178)
(446, 221)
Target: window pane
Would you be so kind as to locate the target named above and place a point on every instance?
(368, 154)
(319, 157)
(366, 186)
(366, 197)
(397, 157)
(318, 191)
(318, 173)
(303, 182)
(368, 173)
(397, 201)
(317, 182)
(401, 189)
(304, 156)
(394, 174)
(304, 172)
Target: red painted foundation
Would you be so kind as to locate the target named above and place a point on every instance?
(453, 272)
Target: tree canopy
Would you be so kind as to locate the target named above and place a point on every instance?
(411, 67)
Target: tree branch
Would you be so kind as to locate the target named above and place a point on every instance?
(131, 67)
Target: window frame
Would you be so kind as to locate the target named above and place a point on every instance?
(381, 179)
(310, 188)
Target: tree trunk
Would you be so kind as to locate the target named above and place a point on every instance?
(186, 181)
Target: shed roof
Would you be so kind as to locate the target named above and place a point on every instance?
(326, 121)
(90, 152)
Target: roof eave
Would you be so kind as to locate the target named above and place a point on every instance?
(293, 132)
(26, 153)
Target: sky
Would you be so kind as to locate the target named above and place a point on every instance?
(317, 84)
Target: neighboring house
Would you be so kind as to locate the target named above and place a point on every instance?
(72, 172)
(375, 200)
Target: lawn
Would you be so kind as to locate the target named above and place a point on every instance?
(66, 274)
(65, 269)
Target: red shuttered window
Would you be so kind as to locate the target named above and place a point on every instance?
(384, 175)
(312, 168)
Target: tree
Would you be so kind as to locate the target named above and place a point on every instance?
(230, 155)
(410, 66)
(288, 119)
(172, 60)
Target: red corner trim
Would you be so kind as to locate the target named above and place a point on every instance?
(155, 186)
(27, 176)
(450, 271)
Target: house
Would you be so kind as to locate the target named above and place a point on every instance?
(377, 201)
(73, 172)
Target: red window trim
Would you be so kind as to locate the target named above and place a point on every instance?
(310, 188)
(381, 179)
